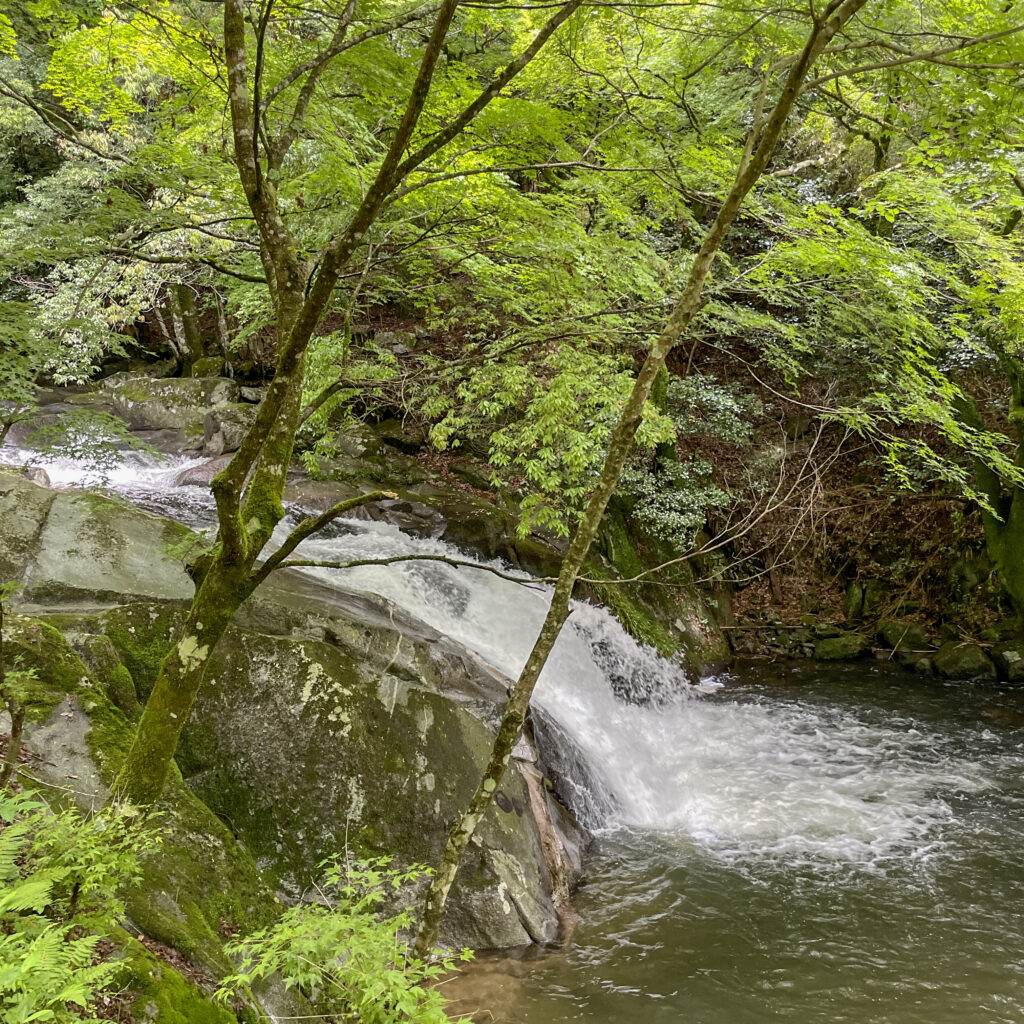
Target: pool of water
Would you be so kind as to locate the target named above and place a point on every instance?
(749, 920)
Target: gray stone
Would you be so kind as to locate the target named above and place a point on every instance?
(253, 395)
(38, 476)
(77, 547)
(226, 426)
(1009, 659)
(847, 647)
(203, 474)
(182, 403)
(330, 721)
(963, 661)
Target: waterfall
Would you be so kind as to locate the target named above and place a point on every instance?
(632, 742)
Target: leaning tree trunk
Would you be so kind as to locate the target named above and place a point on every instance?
(223, 586)
(144, 772)
(759, 150)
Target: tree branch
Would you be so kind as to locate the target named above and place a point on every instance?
(310, 526)
(456, 563)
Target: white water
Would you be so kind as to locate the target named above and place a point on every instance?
(741, 780)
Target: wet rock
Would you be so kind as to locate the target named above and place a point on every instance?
(203, 474)
(1009, 659)
(332, 721)
(37, 475)
(847, 647)
(908, 640)
(963, 661)
(76, 547)
(182, 403)
(225, 427)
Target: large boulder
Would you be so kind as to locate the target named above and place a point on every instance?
(963, 661)
(180, 402)
(75, 547)
(225, 426)
(331, 721)
(846, 647)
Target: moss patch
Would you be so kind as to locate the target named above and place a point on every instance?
(160, 995)
(142, 634)
(199, 883)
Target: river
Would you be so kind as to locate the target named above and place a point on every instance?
(907, 910)
(792, 842)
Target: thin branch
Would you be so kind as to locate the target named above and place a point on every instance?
(310, 526)
(457, 563)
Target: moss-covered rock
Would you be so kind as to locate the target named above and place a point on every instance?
(846, 647)
(1009, 659)
(179, 403)
(158, 994)
(225, 426)
(81, 548)
(207, 366)
(198, 883)
(908, 640)
(963, 661)
(665, 610)
(24, 507)
(310, 749)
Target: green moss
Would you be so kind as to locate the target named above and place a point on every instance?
(35, 645)
(638, 622)
(142, 633)
(664, 610)
(199, 880)
(160, 995)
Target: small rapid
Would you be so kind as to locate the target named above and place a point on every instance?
(635, 744)
(840, 845)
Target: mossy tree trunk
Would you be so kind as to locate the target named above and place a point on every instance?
(249, 491)
(186, 326)
(763, 140)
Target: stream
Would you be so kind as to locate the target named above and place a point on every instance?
(807, 843)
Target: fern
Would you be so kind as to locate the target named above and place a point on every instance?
(345, 955)
(58, 875)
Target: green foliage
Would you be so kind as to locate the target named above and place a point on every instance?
(59, 873)
(344, 955)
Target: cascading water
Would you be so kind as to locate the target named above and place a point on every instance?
(826, 847)
(652, 750)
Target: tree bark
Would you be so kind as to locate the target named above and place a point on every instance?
(249, 491)
(761, 145)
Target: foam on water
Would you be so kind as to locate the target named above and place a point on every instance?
(741, 779)
(751, 778)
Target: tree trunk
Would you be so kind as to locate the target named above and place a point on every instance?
(144, 772)
(759, 151)
(186, 326)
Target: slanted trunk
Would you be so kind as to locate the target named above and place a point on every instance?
(222, 589)
(144, 772)
(762, 144)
